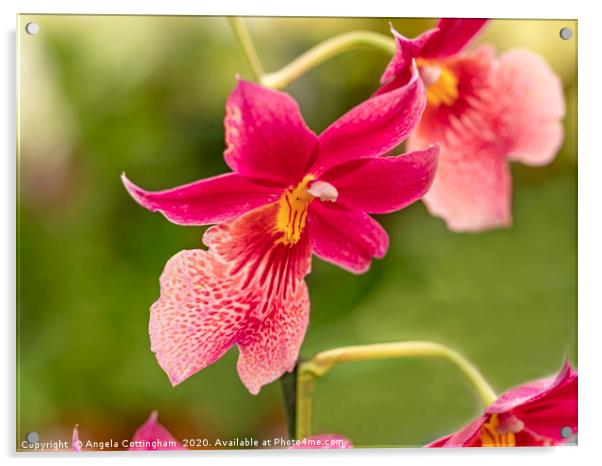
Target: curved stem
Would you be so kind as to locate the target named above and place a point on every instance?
(243, 37)
(309, 371)
(324, 51)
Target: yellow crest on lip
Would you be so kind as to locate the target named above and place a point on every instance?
(490, 437)
(292, 212)
(444, 86)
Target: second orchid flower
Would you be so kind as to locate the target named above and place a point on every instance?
(483, 112)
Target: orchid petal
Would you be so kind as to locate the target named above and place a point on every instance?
(270, 347)
(75, 443)
(453, 34)
(549, 420)
(266, 268)
(384, 184)
(472, 188)
(246, 290)
(266, 136)
(270, 279)
(349, 239)
(530, 101)
(152, 431)
(398, 70)
(534, 391)
(198, 316)
(204, 202)
(529, 438)
(545, 405)
(449, 37)
(372, 128)
(467, 436)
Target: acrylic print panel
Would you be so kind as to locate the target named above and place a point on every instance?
(178, 176)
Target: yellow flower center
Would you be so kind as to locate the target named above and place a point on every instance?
(441, 83)
(292, 212)
(491, 437)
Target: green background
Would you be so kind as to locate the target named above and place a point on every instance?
(107, 94)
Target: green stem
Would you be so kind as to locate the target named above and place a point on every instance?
(309, 371)
(288, 385)
(243, 37)
(324, 51)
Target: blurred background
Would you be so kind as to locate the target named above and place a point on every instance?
(99, 95)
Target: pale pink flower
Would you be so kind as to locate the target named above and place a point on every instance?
(483, 112)
(149, 436)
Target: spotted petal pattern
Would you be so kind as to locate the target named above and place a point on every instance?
(198, 316)
(270, 347)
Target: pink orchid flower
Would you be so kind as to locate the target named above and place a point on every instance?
(149, 436)
(323, 441)
(291, 193)
(534, 414)
(153, 436)
(484, 112)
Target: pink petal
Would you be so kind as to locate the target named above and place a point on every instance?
(534, 391)
(270, 347)
(453, 34)
(248, 290)
(398, 71)
(270, 278)
(384, 184)
(472, 187)
(473, 114)
(546, 405)
(323, 441)
(467, 436)
(548, 421)
(528, 438)
(204, 202)
(153, 432)
(448, 38)
(75, 443)
(266, 136)
(265, 268)
(530, 102)
(349, 239)
(373, 128)
(198, 316)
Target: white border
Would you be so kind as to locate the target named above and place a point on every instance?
(590, 227)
